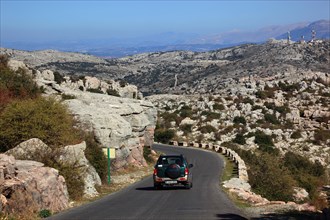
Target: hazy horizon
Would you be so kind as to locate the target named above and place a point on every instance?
(34, 21)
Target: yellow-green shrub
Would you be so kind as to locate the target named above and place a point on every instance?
(41, 118)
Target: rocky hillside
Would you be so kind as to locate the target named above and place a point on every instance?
(184, 72)
(125, 123)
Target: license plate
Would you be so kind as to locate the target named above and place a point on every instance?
(171, 182)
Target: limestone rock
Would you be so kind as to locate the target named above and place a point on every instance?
(30, 186)
(75, 154)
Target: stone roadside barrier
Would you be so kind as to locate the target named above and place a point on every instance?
(232, 155)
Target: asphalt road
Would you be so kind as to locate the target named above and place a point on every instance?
(204, 201)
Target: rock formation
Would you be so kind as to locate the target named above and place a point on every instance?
(29, 186)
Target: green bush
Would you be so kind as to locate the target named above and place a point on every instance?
(271, 119)
(186, 128)
(113, 92)
(17, 84)
(98, 90)
(58, 78)
(147, 154)
(296, 134)
(239, 120)
(321, 136)
(269, 178)
(41, 118)
(207, 129)
(239, 139)
(218, 106)
(164, 136)
(210, 115)
(308, 175)
(95, 156)
(67, 97)
(44, 213)
(265, 142)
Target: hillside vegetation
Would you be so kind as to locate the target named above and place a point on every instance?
(26, 114)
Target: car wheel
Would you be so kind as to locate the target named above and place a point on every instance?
(158, 186)
(173, 171)
(188, 185)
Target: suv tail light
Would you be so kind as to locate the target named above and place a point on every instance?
(186, 171)
(155, 171)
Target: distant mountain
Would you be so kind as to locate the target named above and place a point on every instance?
(321, 27)
(170, 41)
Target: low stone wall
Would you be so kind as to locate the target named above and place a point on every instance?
(232, 155)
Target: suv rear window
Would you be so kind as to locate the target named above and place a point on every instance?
(170, 160)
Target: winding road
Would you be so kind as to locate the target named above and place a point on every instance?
(205, 201)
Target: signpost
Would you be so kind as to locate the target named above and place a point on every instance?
(110, 153)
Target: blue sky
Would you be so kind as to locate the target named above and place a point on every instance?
(76, 20)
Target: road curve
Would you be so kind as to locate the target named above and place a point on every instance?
(205, 201)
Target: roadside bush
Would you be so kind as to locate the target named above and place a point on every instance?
(41, 118)
(265, 142)
(269, 178)
(186, 128)
(164, 136)
(308, 175)
(147, 154)
(95, 156)
(67, 97)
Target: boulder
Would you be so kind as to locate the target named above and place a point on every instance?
(32, 149)
(30, 187)
(75, 154)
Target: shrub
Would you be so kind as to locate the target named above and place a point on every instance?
(210, 115)
(95, 156)
(264, 142)
(44, 213)
(58, 78)
(185, 111)
(239, 120)
(207, 129)
(41, 118)
(321, 136)
(186, 128)
(239, 139)
(73, 178)
(296, 134)
(269, 178)
(308, 175)
(218, 106)
(164, 136)
(67, 96)
(271, 119)
(147, 154)
(98, 90)
(17, 84)
(113, 92)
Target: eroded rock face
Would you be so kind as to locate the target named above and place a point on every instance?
(74, 154)
(124, 124)
(35, 149)
(28, 185)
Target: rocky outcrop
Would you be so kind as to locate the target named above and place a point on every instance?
(73, 155)
(28, 185)
(124, 124)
